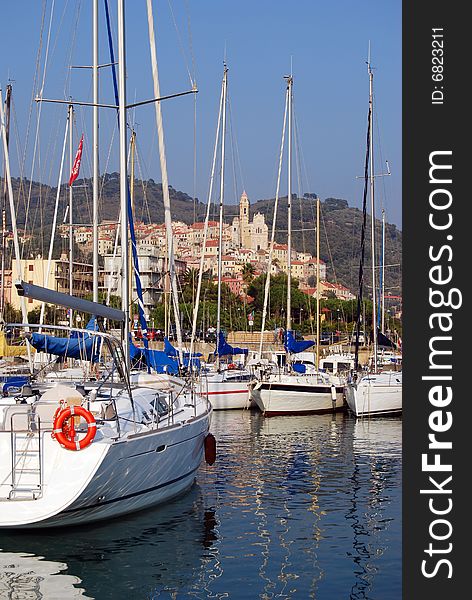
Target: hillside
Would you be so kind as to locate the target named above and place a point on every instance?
(339, 237)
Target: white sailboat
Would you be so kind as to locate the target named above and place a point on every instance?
(226, 384)
(374, 393)
(285, 391)
(75, 456)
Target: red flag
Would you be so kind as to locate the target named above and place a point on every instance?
(76, 166)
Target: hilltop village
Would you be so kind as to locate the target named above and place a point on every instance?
(245, 249)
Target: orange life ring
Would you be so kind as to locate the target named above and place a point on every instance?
(65, 433)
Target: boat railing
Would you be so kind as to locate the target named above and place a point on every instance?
(23, 425)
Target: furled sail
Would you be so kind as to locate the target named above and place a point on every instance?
(79, 345)
(293, 346)
(224, 349)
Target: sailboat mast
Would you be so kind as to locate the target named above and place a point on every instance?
(289, 207)
(130, 251)
(123, 179)
(95, 152)
(372, 208)
(220, 242)
(274, 222)
(4, 205)
(317, 282)
(382, 291)
(71, 221)
(16, 243)
(165, 181)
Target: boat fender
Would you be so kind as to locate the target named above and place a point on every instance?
(333, 393)
(64, 432)
(210, 448)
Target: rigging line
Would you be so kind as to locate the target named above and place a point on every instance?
(35, 147)
(363, 230)
(298, 166)
(232, 151)
(331, 259)
(33, 93)
(107, 162)
(71, 44)
(54, 222)
(22, 196)
(234, 143)
(194, 181)
(299, 184)
(145, 203)
(165, 184)
(384, 198)
(274, 219)
(190, 42)
(205, 228)
(192, 82)
(30, 222)
(194, 158)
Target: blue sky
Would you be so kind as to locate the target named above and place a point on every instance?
(326, 43)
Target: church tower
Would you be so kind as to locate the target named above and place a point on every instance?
(244, 230)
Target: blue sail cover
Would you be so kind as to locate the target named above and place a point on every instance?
(223, 348)
(291, 345)
(154, 359)
(78, 345)
(173, 353)
(169, 348)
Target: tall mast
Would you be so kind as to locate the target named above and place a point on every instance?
(372, 209)
(220, 244)
(382, 291)
(165, 181)
(289, 206)
(274, 221)
(123, 179)
(317, 282)
(4, 206)
(16, 243)
(95, 151)
(71, 221)
(205, 231)
(132, 150)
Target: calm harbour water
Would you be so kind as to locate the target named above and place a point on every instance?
(294, 507)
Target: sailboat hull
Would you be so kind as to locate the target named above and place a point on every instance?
(379, 394)
(226, 390)
(107, 479)
(297, 396)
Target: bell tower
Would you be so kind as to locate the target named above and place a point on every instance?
(244, 232)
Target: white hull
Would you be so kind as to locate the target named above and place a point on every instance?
(293, 395)
(378, 394)
(225, 391)
(111, 477)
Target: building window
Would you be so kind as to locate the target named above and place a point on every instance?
(30, 267)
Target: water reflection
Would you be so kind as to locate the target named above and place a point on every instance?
(160, 549)
(376, 442)
(294, 507)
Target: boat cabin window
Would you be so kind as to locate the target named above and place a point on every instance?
(344, 366)
(280, 360)
(328, 366)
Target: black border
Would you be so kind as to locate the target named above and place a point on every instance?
(427, 128)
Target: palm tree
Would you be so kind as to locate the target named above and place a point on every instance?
(248, 272)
